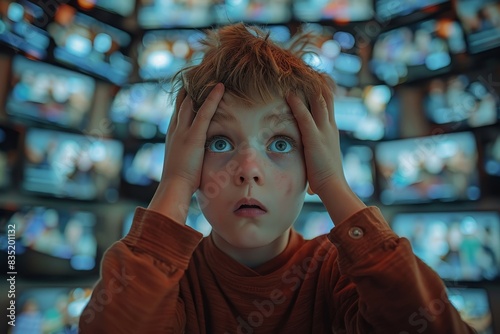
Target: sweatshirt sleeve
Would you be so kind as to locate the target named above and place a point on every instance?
(384, 287)
(138, 291)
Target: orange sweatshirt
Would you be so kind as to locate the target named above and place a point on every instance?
(164, 277)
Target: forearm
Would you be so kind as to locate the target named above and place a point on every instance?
(340, 201)
(138, 291)
(129, 295)
(396, 292)
(172, 200)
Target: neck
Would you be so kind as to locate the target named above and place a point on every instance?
(256, 256)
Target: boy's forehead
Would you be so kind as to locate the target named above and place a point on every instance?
(273, 112)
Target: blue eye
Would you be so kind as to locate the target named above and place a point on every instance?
(218, 145)
(282, 145)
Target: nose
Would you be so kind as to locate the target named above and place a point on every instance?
(250, 168)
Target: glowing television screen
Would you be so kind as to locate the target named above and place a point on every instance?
(459, 246)
(492, 154)
(51, 241)
(253, 11)
(46, 93)
(332, 10)
(162, 53)
(54, 309)
(425, 169)
(20, 23)
(120, 7)
(142, 110)
(155, 14)
(358, 170)
(481, 24)
(334, 52)
(367, 113)
(142, 170)
(417, 51)
(68, 165)
(90, 45)
(313, 223)
(474, 307)
(390, 9)
(462, 101)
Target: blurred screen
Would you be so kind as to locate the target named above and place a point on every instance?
(280, 34)
(474, 307)
(463, 246)
(255, 11)
(417, 51)
(417, 170)
(480, 19)
(95, 47)
(121, 7)
(463, 100)
(343, 11)
(311, 224)
(50, 310)
(127, 223)
(17, 28)
(389, 9)
(9, 141)
(142, 170)
(175, 13)
(334, 53)
(71, 165)
(366, 113)
(164, 52)
(492, 156)
(61, 234)
(48, 93)
(142, 110)
(358, 169)
(197, 221)
(144, 167)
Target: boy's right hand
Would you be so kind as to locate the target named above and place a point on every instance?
(184, 152)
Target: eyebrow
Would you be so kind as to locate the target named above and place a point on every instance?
(283, 117)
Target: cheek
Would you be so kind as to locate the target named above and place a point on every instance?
(291, 177)
(289, 184)
(210, 165)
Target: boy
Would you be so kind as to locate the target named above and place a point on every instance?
(253, 129)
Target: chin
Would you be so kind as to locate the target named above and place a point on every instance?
(256, 238)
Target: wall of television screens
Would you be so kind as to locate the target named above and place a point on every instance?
(85, 103)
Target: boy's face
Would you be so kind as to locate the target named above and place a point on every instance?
(252, 152)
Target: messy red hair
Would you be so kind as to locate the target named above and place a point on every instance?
(251, 66)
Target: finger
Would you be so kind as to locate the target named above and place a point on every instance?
(207, 109)
(181, 95)
(327, 92)
(301, 113)
(319, 109)
(186, 113)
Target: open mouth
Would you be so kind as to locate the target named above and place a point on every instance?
(249, 207)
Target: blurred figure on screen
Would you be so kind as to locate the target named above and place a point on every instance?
(29, 320)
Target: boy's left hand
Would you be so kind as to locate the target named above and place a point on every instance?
(320, 138)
